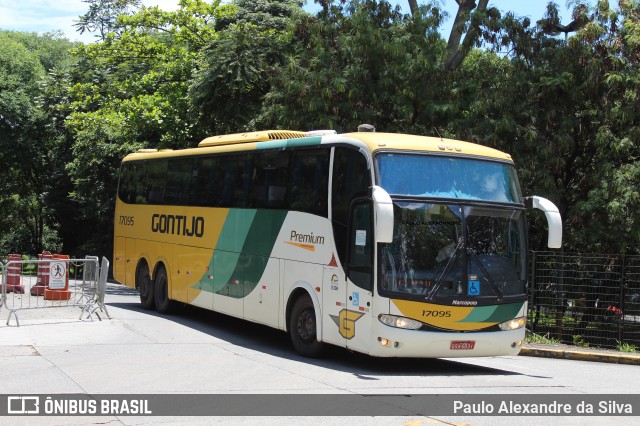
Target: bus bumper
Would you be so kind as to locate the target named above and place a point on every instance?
(395, 342)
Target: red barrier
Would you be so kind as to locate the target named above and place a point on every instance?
(58, 286)
(13, 272)
(43, 274)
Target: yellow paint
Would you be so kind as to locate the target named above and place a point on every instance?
(305, 246)
(346, 321)
(440, 316)
(377, 141)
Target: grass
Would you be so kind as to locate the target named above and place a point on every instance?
(626, 347)
(537, 338)
(579, 341)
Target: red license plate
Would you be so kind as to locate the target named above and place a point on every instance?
(464, 345)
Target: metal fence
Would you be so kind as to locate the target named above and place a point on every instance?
(586, 299)
(28, 285)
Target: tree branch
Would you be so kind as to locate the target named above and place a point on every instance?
(457, 50)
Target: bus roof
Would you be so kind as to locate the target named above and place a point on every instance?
(402, 142)
(280, 139)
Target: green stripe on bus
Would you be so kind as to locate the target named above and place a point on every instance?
(505, 312)
(496, 313)
(257, 249)
(289, 143)
(241, 255)
(227, 251)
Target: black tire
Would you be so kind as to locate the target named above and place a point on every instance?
(164, 305)
(145, 286)
(303, 329)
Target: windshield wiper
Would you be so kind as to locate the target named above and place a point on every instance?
(490, 279)
(445, 271)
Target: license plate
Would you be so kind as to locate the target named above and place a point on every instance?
(464, 345)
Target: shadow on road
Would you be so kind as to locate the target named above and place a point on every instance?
(274, 342)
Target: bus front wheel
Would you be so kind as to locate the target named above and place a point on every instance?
(303, 328)
(145, 287)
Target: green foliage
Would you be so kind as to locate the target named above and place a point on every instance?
(233, 74)
(537, 338)
(30, 151)
(579, 341)
(626, 347)
(357, 62)
(130, 91)
(562, 98)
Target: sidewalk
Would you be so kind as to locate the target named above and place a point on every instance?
(576, 353)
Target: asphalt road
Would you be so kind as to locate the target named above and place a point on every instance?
(198, 352)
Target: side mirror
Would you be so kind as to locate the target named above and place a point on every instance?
(383, 215)
(553, 219)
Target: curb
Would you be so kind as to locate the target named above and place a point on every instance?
(581, 356)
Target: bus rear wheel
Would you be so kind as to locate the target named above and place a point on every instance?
(164, 305)
(145, 287)
(303, 328)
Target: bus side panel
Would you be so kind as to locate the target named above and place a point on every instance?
(131, 261)
(119, 260)
(307, 276)
(189, 263)
(262, 304)
(228, 284)
(200, 292)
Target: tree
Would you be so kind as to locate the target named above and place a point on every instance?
(234, 73)
(102, 16)
(566, 111)
(130, 91)
(29, 149)
(361, 62)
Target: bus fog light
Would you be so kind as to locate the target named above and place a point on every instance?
(399, 322)
(513, 324)
(383, 341)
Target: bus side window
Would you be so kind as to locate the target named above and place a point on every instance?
(307, 185)
(269, 179)
(351, 176)
(179, 172)
(126, 185)
(229, 170)
(156, 181)
(202, 188)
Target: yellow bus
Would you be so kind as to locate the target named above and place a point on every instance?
(392, 245)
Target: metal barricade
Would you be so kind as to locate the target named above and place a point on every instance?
(72, 283)
(96, 295)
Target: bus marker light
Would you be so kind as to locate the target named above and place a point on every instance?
(318, 289)
(383, 341)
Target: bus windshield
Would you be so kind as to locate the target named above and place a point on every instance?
(443, 251)
(440, 176)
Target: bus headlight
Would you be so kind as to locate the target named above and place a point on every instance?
(399, 322)
(513, 324)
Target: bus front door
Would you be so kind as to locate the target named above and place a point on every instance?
(357, 321)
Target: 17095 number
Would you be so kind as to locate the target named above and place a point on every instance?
(439, 314)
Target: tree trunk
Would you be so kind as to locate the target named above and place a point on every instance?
(413, 7)
(457, 50)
